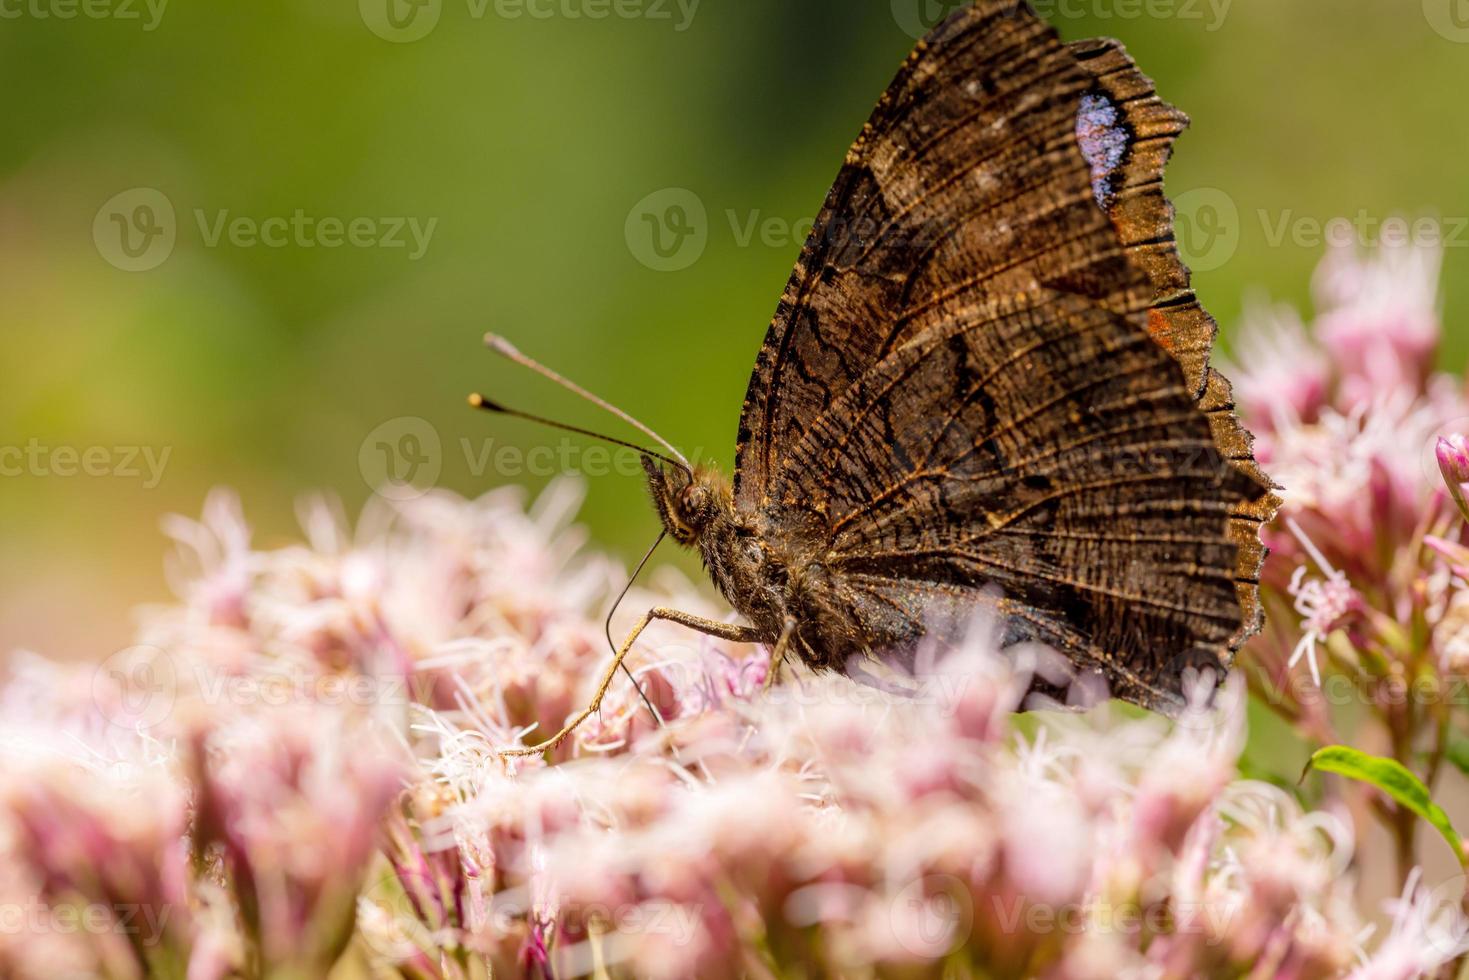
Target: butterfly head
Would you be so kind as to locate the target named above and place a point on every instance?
(688, 501)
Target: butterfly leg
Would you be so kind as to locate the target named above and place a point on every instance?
(778, 655)
(724, 631)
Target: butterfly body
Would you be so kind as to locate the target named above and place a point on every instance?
(750, 561)
(769, 568)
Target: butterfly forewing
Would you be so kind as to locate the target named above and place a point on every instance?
(966, 182)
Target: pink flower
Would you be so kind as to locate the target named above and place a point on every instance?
(1426, 933)
(1457, 555)
(110, 842)
(293, 800)
(1327, 606)
(1355, 481)
(1379, 317)
(1281, 374)
(1453, 461)
(213, 567)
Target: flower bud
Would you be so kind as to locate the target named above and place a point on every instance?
(1453, 460)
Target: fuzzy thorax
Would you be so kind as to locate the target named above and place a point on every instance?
(697, 509)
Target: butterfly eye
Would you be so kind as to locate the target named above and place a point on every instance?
(693, 502)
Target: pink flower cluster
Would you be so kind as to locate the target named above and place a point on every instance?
(1369, 580)
(297, 768)
(206, 846)
(833, 829)
(1351, 419)
(1348, 412)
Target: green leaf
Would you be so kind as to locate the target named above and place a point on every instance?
(1394, 779)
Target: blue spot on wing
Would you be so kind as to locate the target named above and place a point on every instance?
(1104, 141)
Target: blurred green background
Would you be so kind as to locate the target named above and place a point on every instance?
(523, 139)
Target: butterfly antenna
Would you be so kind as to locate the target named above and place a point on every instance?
(509, 351)
(486, 405)
(607, 626)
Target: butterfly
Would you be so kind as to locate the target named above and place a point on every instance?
(987, 387)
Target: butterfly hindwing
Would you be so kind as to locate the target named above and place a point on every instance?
(1043, 445)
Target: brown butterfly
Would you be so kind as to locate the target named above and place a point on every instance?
(987, 386)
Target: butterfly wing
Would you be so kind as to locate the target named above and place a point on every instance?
(980, 175)
(966, 181)
(1042, 446)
